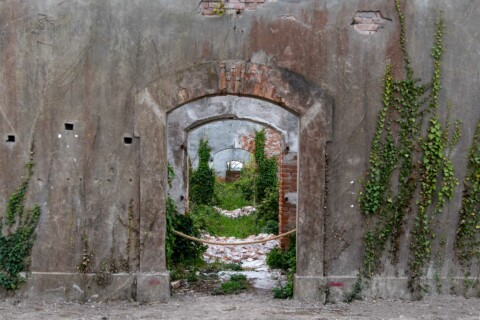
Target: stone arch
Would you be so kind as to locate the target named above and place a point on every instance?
(232, 139)
(278, 86)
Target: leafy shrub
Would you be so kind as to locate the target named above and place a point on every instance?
(285, 260)
(229, 196)
(202, 180)
(267, 211)
(246, 182)
(266, 168)
(285, 291)
(181, 251)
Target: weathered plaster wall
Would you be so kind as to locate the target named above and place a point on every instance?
(84, 62)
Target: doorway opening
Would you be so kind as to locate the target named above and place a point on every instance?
(247, 150)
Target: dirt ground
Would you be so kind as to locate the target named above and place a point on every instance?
(253, 305)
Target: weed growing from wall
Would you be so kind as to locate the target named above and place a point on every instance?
(17, 235)
(468, 230)
(202, 180)
(408, 172)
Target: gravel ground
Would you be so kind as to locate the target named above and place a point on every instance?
(252, 305)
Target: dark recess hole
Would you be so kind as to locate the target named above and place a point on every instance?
(69, 126)
(10, 138)
(182, 197)
(127, 140)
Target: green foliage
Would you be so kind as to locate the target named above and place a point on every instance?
(246, 182)
(356, 293)
(267, 212)
(403, 162)
(17, 242)
(219, 10)
(467, 241)
(285, 291)
(208, 219)
(202, 180)
(266, 168)
(285, 260)
(229, 196)
(180, 251)
(236, 284)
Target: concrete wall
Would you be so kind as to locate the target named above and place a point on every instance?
(90, 63)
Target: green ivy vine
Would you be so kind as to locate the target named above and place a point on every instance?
(405, 165)
(467, 242)
(266, 168)
(17, 235)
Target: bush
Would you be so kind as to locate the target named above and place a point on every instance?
(285, 260)
(267, 212)
(180, 251)
(246, 182)
(202, 180)
(229, 196)
(266, 168)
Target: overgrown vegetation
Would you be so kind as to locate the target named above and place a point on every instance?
(202, 180)
(180, 252)
(266, 173)
(246, 182)
(356, 293)
(229, 196)
(468, 231)
(17, 235)
(209, 220)
(237, 283)
(405, 164)
(286, 261)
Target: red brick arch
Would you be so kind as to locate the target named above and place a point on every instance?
(279, 86)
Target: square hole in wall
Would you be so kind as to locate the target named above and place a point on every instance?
(68, 126)
(10, 138)
(127, 140)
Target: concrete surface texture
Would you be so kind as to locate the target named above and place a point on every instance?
(93, 84)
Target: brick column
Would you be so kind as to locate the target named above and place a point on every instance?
(287, 211)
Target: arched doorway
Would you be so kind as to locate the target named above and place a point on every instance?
(285, 89)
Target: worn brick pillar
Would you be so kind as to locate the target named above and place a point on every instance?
(287, 195)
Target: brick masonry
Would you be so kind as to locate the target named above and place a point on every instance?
(287, 195)
(207, 7)
(368, 22)
(273, 143)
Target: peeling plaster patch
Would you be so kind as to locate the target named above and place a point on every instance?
(260, 57)
(368, 22)
(209, 7)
